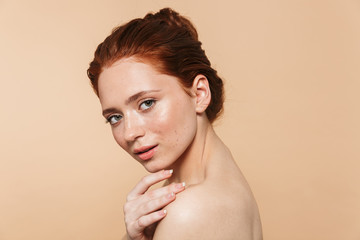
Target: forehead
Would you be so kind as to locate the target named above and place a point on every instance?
(128, 76)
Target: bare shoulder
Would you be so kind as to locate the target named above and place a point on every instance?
(212, 210)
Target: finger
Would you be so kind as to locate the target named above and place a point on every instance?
(149, 219)
(147, 181)
(157, 193)
(155, 204)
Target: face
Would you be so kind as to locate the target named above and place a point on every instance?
(151, 116)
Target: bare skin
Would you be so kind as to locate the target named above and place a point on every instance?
(217, 205)
(173, 128)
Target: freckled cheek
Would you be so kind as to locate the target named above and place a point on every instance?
(165, 120)
(173, 123)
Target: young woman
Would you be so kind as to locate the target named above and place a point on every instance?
(160, 95)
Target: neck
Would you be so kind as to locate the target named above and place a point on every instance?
(191, 167)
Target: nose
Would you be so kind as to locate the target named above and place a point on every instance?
(133, 128)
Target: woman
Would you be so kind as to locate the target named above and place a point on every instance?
(160, 95)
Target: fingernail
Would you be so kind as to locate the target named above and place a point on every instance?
(163, 212)
(180, 185)
(169, 172)
(171, 195)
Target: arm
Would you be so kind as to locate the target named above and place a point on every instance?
(187, 219)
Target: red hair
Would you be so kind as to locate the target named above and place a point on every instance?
(169, 41)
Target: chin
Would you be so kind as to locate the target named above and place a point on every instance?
(154, 165)
(152, 169)
(150, 165)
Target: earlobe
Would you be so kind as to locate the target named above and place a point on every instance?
(202, 91)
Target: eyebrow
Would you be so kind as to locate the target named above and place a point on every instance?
(131, 99)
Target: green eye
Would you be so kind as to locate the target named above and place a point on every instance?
(114, 119)
(147, 104)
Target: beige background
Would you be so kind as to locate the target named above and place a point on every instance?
(292, 72)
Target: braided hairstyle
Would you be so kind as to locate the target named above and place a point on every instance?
(167, 40)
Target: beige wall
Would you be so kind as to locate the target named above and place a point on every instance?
(292, 72)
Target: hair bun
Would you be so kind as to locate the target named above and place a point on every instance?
(173, 19)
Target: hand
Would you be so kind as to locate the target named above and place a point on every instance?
(143, 208)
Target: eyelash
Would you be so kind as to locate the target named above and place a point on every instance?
(108, 120)
(152, 102)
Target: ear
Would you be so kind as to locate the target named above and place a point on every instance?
(202, 93)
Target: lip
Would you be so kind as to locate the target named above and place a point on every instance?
(146, 152)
